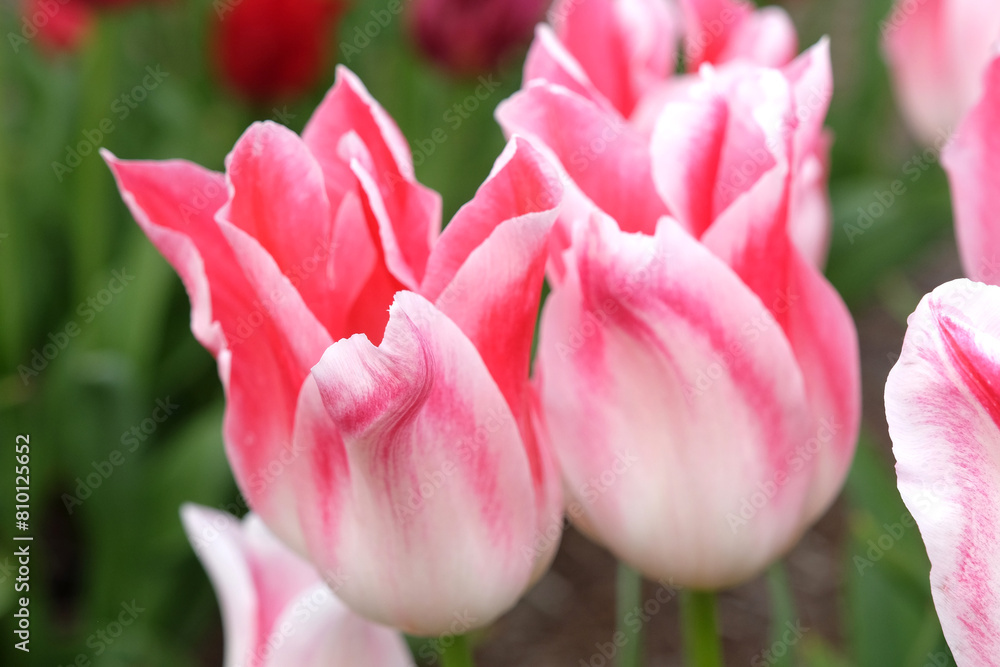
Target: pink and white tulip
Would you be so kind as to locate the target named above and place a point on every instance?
(640, 143)
(972, 160)
(701, 393)
(276, 610)
(718, 31)
(942, 402)
(937, 52)
(376, 373)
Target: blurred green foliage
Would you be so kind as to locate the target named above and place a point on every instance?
(62, 235)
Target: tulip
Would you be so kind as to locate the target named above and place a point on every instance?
(376, 373)
(937, 52)
(271, 49)
(972, 161)
(276, 610)
(723, 30)
(943, 409)
(61, 27)
(472, 36)
(701, 394)
(640, 144)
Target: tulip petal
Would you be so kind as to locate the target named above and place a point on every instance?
(440, 504)
(937, 51)
(243, 310)
(325, 633)
(719, 31)
(349, 125)
(255, 576)
(492, 260)
(752, 238)
(278, 196)
(767, 37)
(275, 610)
(636, 354)
(549, 61)
(972, 161)
(687, 147)
(943, 411)
(624, 46)
(608, 160)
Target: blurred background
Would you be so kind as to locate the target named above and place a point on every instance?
(94, 325)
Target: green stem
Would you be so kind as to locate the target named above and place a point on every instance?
(459, 654)
(627, 600)
(700, 629)
(782, 609)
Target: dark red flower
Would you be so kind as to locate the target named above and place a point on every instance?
(268, 49)
(470, 36)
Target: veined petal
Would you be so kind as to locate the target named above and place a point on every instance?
(752, 237)
(943, 410)
(441, 503)
(636, 353)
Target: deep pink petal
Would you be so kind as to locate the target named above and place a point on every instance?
(943, 411)
(605, 158)
(351, 126)
(242, 309)
(687, 147)
(624, 46)
(278, 196)
(709, 26)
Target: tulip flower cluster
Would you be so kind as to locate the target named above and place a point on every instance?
(694, 402)
(941, 398)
